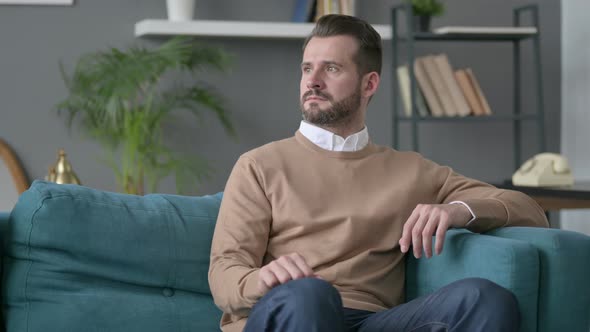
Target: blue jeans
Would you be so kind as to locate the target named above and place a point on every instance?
(314, 305)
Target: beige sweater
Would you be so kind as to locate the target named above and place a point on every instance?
(343, 212)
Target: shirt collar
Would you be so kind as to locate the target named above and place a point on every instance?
(329, 141)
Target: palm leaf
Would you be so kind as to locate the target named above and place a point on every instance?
(117, 98)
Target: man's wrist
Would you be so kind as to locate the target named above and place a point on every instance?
(472, 215)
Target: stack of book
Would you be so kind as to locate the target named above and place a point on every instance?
(311, 10)
(442, 91)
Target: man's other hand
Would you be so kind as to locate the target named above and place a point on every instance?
(425, 220)
(283, 269)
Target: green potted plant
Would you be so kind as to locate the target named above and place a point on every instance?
(118, 98)
(423, 10)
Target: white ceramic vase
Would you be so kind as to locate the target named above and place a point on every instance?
(180, 10)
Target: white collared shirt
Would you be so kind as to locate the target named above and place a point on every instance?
(327, 140)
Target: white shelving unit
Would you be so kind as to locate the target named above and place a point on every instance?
(240, 29)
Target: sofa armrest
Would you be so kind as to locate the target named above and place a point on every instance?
(510, 263)
(564, 289)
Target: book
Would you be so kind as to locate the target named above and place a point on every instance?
(335, 7)
(304, 11)
(320, 9)
(403, 77)
(427, 89)
(469, 92)
(439, 85)
(448, 76)
(328, 7)
(352, 7)
(347, 7)
(484, 30)
(481, 97)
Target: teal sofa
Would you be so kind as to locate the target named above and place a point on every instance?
(79, 259)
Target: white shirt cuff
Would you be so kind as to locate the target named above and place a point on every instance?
(468, 208)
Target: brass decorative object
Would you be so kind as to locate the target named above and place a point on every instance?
(62, 171)
(51, 174)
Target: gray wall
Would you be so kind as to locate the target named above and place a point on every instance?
(575, 87)
(261, 89)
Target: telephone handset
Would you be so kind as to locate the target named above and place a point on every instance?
(544, 169)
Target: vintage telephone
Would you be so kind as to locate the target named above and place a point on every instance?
(544, 169)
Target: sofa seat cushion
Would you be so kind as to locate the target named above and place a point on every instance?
(79, 259)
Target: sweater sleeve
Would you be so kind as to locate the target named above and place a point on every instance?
(240, 240)
(491, 206)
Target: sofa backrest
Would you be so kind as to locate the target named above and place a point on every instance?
(78, 259)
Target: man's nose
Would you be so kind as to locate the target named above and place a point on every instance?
(315, 82)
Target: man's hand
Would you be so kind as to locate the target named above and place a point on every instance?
(282, 270)
(425, 220)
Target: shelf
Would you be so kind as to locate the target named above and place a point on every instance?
(514, 34)
(472, 33)
(237, 29)
(485, 118)
(495, 30)
(430, 36)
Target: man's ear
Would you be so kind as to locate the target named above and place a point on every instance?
(370, 84)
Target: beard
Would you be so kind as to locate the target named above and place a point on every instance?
(340, 112)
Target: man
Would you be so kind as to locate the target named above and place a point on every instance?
(312, 230)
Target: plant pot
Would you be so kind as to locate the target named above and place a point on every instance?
(422, 23)
(180, 10)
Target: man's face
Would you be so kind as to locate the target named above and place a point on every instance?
(330, 84)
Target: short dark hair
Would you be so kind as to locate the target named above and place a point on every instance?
(369, 55)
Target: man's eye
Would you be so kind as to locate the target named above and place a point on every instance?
(332, 68)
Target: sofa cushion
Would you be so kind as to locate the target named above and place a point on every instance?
(81, 259)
